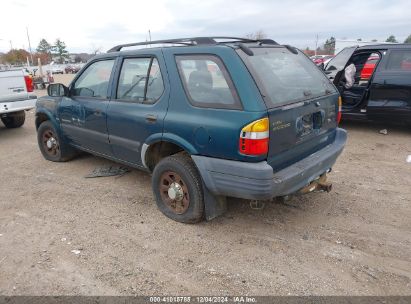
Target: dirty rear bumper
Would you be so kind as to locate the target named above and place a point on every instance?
(258, 181)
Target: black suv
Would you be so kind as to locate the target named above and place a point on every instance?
(209, 117)
(382, 83)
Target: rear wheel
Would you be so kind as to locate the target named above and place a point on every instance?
(14, 120)
(177, 188)
(51, 146)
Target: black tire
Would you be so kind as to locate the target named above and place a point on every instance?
(14, 120)
(58, 151)
(181, 169)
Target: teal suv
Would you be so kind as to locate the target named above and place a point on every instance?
(209, 117)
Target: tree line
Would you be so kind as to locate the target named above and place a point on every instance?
(45, 51)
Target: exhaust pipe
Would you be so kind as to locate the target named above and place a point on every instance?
(319, 185)
(327, 187)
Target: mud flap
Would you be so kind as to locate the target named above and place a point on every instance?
(214, 205)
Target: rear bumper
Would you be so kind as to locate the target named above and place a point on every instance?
(258, 181)
(15, 106)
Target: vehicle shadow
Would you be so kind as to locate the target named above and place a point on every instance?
(239, 211)
(294, 215)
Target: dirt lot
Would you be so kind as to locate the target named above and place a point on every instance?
(354, 240)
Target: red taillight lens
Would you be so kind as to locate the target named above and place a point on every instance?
(254, 138)
(253, 146)
(339, 110)
(29, 83)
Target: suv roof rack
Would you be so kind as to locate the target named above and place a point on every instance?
(195, 41)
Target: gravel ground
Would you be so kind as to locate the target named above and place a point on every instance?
(63, 234)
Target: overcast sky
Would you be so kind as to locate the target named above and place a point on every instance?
(86, 25)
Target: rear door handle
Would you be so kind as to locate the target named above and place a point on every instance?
(151, 118)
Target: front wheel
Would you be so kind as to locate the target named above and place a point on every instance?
(178, 189)
(51, 146)
(14, 120)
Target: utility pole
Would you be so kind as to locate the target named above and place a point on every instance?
(316, 44)
(11, 45)
(149, 35)
(28, 38)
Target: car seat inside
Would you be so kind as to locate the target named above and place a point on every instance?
(365, 63)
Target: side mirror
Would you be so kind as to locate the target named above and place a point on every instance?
(57, 90)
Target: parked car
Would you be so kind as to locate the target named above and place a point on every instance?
(16, 96)
(320, 59)
(385, 95)
(71, 69)
(212, 118)
(56, 69)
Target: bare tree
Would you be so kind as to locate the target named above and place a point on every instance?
(260, 34)
(96, 50)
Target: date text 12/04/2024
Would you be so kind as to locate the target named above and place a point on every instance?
(203, 299)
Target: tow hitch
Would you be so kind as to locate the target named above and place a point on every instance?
(319, 185)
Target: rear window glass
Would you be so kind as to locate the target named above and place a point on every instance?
(399, 60)
(284, 77)
(207, 82)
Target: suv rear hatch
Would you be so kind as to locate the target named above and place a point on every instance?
(302, 105)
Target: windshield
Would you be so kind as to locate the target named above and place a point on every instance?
(284, 77)
(340, 60)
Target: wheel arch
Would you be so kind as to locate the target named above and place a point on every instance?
(157, 148)
(44, 115)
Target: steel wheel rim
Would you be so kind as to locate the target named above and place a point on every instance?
(171, 182)
(50, 143)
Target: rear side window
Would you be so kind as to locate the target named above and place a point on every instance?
(140, 80)
(93, 82)
(207, 82)
(399, 60)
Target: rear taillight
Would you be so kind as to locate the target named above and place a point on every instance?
(29, 83)
(254, 138)
(339, 110)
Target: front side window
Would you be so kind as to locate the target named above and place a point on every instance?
(207, 82)
(93, 82)
(284, 77)
(399, 60)
(140, 80)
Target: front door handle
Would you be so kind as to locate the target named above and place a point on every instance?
(97, 112)
(151, 118)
